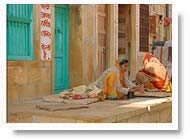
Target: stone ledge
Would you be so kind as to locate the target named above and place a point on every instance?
(138, 110)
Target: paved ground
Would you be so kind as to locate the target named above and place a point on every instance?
(140, 109)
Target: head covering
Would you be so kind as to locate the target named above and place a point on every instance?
(120, 60)
(147, 57)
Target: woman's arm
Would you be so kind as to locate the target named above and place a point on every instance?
(128, 82)
(119, 88)
(133, 87)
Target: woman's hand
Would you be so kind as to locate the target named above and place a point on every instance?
(139, 88)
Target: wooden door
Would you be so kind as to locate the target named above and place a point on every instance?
(102, 10)
(124, 32)
(61, 48)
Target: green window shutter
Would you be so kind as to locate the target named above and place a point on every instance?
(20, 32)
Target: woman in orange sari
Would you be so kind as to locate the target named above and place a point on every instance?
(114, 81)
(154, 75)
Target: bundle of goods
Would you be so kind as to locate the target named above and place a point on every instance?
(82, 92)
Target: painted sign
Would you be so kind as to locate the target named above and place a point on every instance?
(45, 31)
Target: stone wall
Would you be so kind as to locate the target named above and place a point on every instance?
(75, 45)
(163, 115)
(28, 80)
(156, 9)
(82, 44)
(31, 79)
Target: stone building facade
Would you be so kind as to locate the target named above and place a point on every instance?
(80, 42)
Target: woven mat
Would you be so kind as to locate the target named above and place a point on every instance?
(58, 107)
(57, 99)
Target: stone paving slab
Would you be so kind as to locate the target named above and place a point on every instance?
(105, 111)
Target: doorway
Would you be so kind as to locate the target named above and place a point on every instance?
(61, 79)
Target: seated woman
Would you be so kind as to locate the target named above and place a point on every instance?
(114, 81)
(154, 75)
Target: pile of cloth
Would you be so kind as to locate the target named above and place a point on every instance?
(74, 98)
(82, 92)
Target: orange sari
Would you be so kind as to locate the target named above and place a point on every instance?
(160, 81)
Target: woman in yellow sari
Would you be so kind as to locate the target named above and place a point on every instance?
(114, 81)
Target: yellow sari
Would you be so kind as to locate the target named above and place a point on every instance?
(110, 83)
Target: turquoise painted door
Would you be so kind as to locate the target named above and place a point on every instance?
(61, 48)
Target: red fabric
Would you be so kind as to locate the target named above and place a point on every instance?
(167, 21)
(158, 84)
(77, 96)
(148, 57)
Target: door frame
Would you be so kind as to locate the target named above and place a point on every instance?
(53, 42)
(105, 50)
